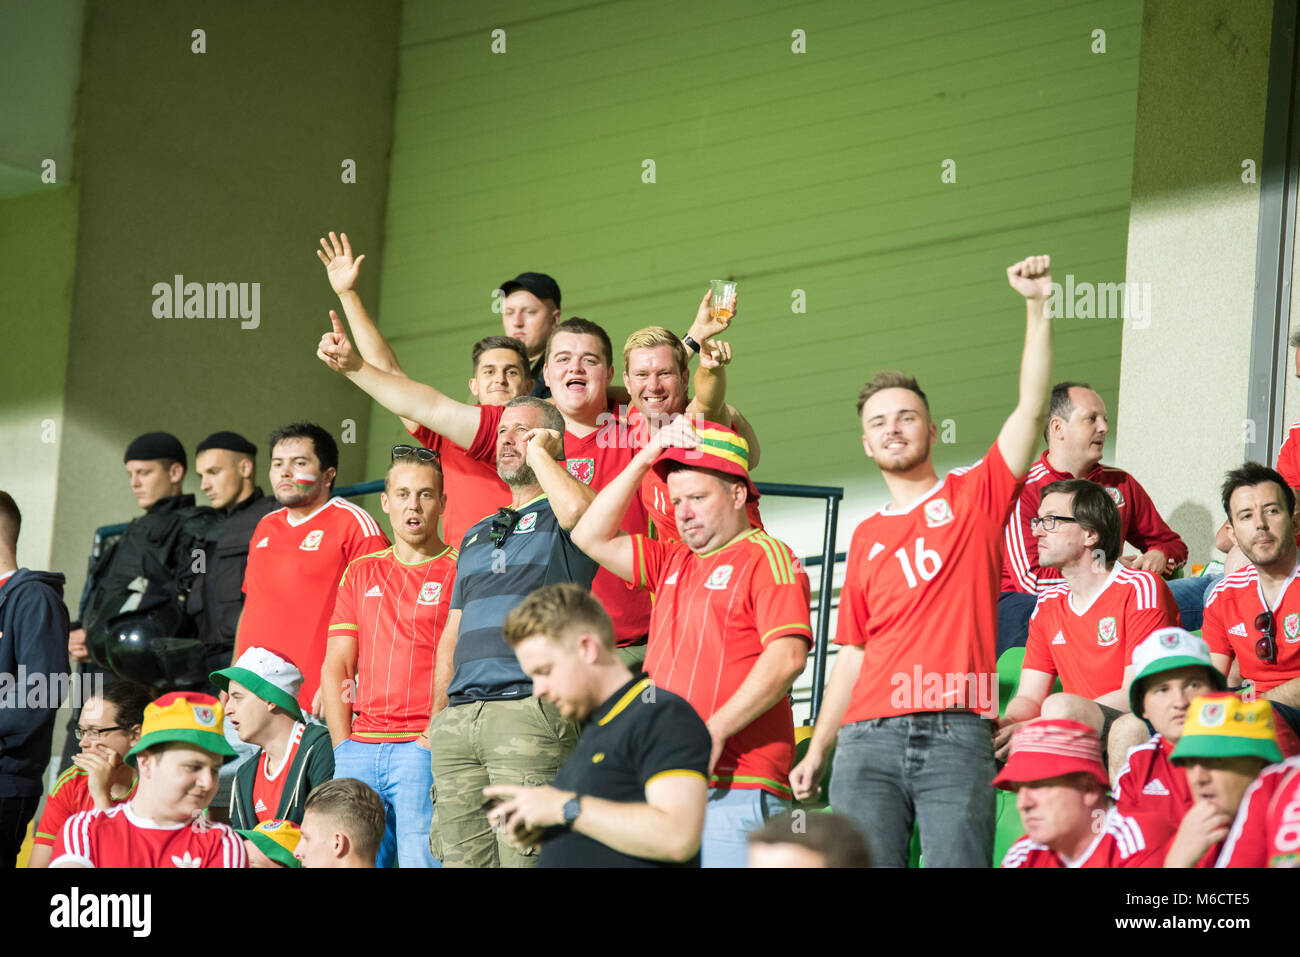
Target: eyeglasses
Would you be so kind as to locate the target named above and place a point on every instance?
(80, 732)
(503, 523)
(1048, 522)
(1266, 647)
(419, 451)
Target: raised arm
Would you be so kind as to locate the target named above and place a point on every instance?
(710, 398)
(342, 271)
(597, 532)
(1019, 437)
(569, 498)
(402, 396)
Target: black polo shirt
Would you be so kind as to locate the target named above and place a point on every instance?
(638, 734)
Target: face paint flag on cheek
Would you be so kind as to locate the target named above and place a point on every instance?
(304, 480)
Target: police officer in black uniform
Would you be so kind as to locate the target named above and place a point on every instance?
(226, 463)
(133, 618)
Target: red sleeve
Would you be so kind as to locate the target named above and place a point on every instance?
(1038, 654)
(1142, 621)
(1247, 842)
(994, 487)
(1147, 530)
(343, 622)
(76, 839)
(1212, 628)
(1127, 795)
(850, 629)
(1022, 551)
(781, 597)
(226, 849)
(57, 811)
(648, 560)
(1288, 458)
(1151, 832)
(365, 540)
(484, 446)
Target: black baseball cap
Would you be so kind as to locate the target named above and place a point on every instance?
(538, 283)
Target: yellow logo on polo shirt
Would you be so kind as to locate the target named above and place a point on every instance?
(598, 757)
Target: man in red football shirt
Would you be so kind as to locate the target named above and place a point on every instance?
(1084, 627)
(298, 554)
(1056, 771)
(1170, 668)
(730, 630)
(579, 368)
(1226, 742)
(1076, 434)
(916, 672)
(656, 372)
(378, 674)
(1266, 832)
(1253, 615)
(108, 726)
(163, 824)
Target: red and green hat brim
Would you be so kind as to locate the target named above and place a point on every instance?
(212, 741)
(259, 686)
(1225, 746)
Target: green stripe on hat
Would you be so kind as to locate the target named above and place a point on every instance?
(1225, 746)
(213, 741)
(259, 686)
(276, 852)
(1136, 692)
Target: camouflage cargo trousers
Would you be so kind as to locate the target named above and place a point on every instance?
(489, 742)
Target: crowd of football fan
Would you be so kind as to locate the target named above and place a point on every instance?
(275, 683)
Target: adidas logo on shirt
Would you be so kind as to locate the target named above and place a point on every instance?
(876, 549)
(1059, 639)
(1156, 788)
(375, 592)
(260, 808)
(1239, 629)
(263, 543)
(671, 579)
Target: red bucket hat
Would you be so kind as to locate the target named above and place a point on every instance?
(721, 449)
(1048, 749)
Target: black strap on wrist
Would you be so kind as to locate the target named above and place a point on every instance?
(691, 344)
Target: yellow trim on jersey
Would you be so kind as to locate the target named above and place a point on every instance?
(676, 773)
(793, 629)
(748, 533)
(344, 626)
(777, 558)
(359, 558)
(398, 558)
(638, 560)
(624, 701)
(64, 778)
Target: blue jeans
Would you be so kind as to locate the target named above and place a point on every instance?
(933, 769)
(1014, 609)
(399, 772)
(729, 816)
(1190, 594)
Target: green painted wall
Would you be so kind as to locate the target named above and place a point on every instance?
(222, 166)
(817, 171)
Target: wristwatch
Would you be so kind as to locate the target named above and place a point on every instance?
(572, 808)
(691, 344)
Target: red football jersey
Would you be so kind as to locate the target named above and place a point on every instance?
(70, 795)
(920, 593)
(473, 488)
(1266, 832)
(1288, 457)
(1228, 628)
(1090, 647)
(396, 613)
(594, 460)
(1125, 841)
(292, 580)
(714, 613)
(268, 782)
(654, 490)
(1140, 524)
(1150, 784)
(118, 837)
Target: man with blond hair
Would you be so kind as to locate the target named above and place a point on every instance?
(633, 792)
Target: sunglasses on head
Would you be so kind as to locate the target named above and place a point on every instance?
(419, 451)
(1266, 646)
(503, 523)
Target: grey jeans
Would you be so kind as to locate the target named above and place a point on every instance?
(934, 769)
